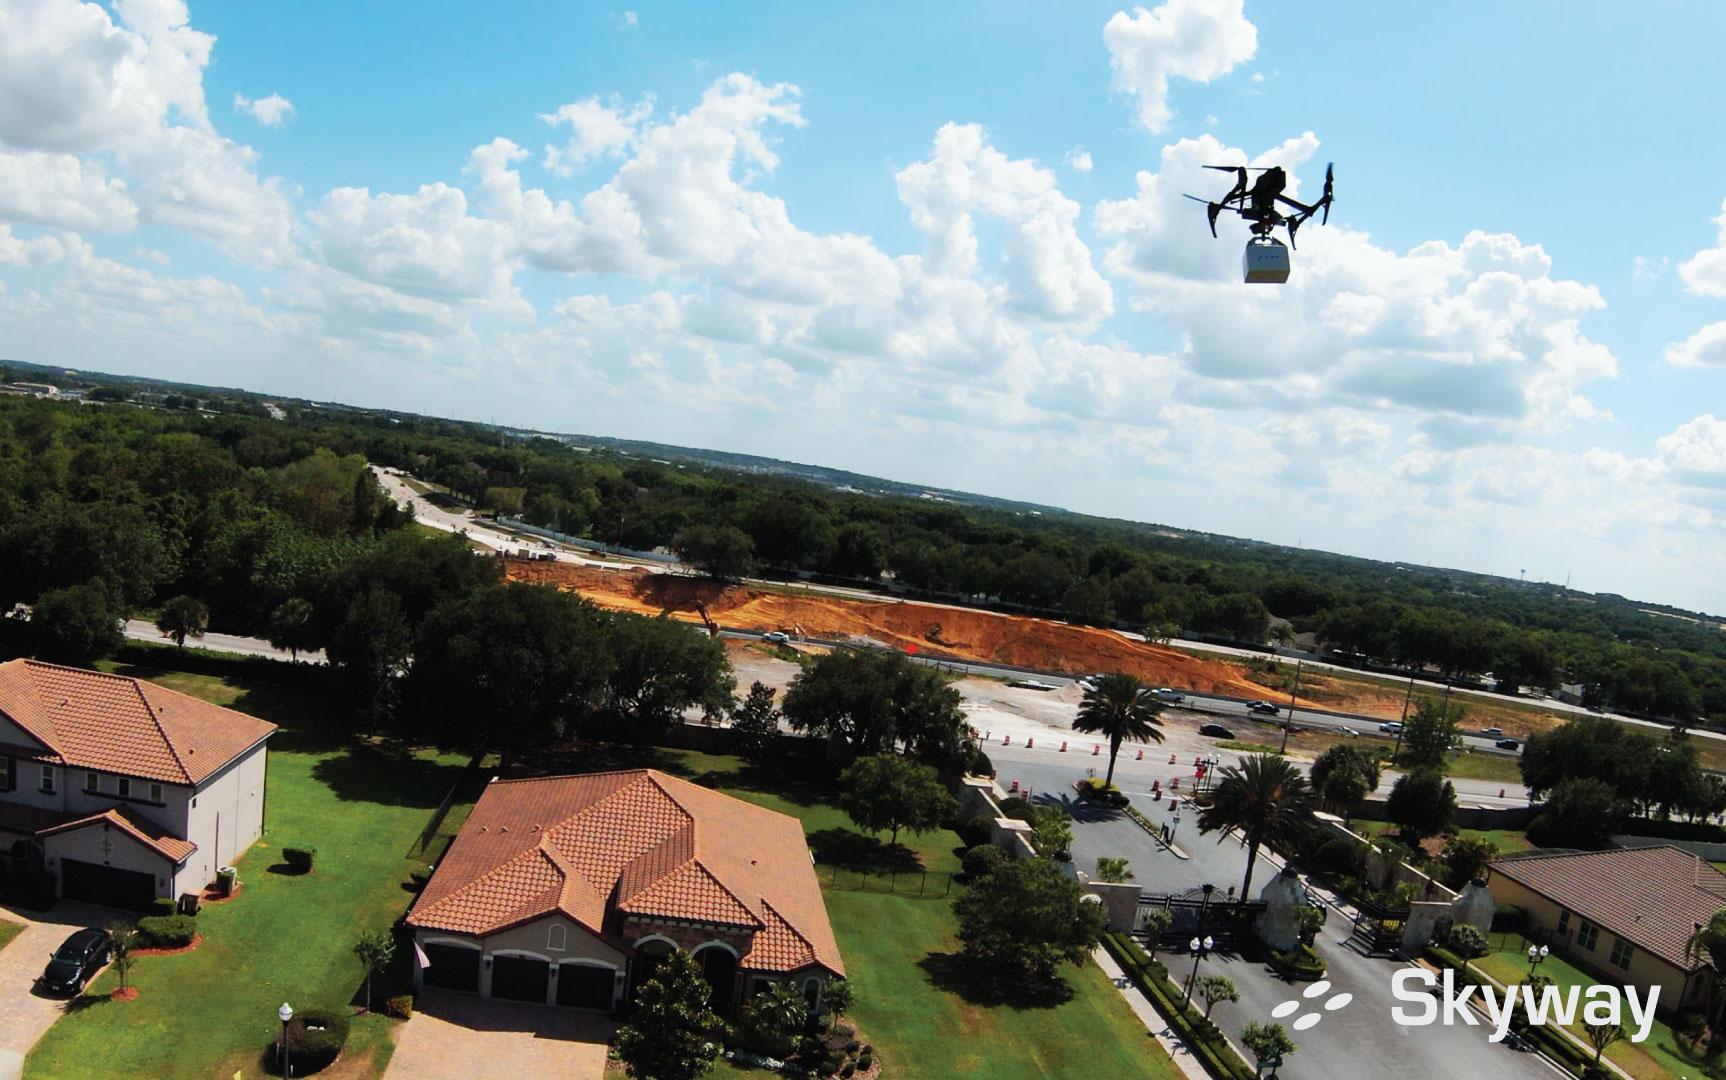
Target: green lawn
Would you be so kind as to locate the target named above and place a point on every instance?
(916, 1003)
(8, 931)
(1659, 1058)
(1503, 768)
(1505, 840)
(210, 1012)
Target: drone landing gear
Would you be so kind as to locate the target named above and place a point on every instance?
(1266, 261)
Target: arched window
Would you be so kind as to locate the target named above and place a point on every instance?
(812, 993)
(556, 937)
(719, 968)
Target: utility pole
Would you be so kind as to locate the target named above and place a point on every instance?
(1288, 721)
(1406, 698)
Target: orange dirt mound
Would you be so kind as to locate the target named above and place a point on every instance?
(943, 632)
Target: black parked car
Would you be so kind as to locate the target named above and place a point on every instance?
(1262, 707)
(1508, 744)
(78, 960)
(1216, 731)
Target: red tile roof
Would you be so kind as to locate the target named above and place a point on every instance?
(632, 843)
(1652, 897)
(135, 825)
(111, 723)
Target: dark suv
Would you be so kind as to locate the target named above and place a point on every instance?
(76, 962)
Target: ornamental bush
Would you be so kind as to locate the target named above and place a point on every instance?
(981, 860)
(167, 931)
(316, 1038)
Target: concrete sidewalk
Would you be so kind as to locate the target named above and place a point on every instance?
(1147, 1013)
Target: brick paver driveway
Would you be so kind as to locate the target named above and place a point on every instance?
(24, 1013)
(458, 1036)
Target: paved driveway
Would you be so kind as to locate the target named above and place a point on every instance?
(24, 1013)
(458, 1036)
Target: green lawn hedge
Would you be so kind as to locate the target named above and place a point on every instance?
(1204, 1038)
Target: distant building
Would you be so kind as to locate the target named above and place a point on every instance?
(30, 389)
(1625, 915)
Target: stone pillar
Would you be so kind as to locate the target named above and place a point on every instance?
(1279, 926)
(1423, 916)
(1120, 902)
(1474, 907)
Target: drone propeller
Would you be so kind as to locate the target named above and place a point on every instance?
(1326, 199)
(1239, 168)
(1213, 209)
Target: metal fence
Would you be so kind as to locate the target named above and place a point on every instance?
(909, 883)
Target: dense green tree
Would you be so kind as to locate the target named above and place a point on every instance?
(888, 792)
(514, 665)
(1267, 1042)
(1466, 858)
(1266, 800)
(872, 702)
(371, 650)
(1431, 733)
(1120, 708)
(1344, 775)
(1421, 804)
(773, 1019)
(75, 625)
(1580, 813)
(659, 668)
(724, 552)
(181, 617)
(1026, 919)
(858, 551)
(755, 725)
(673, 1034)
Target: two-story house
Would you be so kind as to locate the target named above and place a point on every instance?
(120, 789)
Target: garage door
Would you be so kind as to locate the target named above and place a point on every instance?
(584, 986)
(108, 885)
(452, 968)
(520, 978)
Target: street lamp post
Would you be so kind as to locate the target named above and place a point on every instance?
(1536, 953)
(286, 1013)
(1177, 825)
(1200, 948)
(1406, 698)
(1289, 721)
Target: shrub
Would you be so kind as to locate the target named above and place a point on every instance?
(164, 905)
(867, 1049)
(848, 1070)
(866, 1062)
(1507, 918)
(166, 931)
(315, 1038)
(1468, 942)
(1300, 962)
(980, 765)
(982, 860)
(401, 1006)
(299, 859)
(977, 830)
(1015, 807)
(851, 1047)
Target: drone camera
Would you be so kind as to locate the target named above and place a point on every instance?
(1266, 261)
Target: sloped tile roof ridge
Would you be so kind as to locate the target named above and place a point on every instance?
(39, 724)
(137, 826)
(156, 719)
(475, 890)
(560, 777)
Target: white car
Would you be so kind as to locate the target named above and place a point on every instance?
(1172, 697)
(777, 637)
(1392, 728)
(1031, 684)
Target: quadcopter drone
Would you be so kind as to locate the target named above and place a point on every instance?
(1266, 259)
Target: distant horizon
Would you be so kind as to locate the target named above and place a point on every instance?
(948, 242)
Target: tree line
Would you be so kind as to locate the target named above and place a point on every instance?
(242, 512)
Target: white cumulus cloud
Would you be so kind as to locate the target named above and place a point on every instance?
(1200, 40)
(269, 111)
(597, 129)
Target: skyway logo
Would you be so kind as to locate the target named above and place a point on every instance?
(1603, 1004)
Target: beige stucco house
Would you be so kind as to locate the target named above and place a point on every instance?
(568, 891)
(1624, 915)
(122, 790)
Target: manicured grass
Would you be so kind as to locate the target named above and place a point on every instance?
(1248, 747)
(212, 1011)
(8, 931)
(1502, 768)
(1505, 840)
(916, 1003)
(1656, 1059)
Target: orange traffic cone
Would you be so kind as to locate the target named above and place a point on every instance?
(1141, 756)
(1171, 759)
(1030, 743)
(1063, 746)
(1096, 749)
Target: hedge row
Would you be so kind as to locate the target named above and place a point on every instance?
(1202, 1037)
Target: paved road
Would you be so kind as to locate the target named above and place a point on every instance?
(1357, 1042)
(25, 1013)
(145, 630)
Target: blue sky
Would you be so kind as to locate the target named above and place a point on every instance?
(943, 245)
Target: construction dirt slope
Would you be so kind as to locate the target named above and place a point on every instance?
(939, 632)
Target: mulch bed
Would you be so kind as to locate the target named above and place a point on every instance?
(197, 939)
(130, 993)
(212, 896)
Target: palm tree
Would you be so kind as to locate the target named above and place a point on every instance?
(1265, 798)
(1121, 708)
(1709, 942)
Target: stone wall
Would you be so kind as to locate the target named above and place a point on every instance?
(979, 795)
(1120, 902)
(1465, 817)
